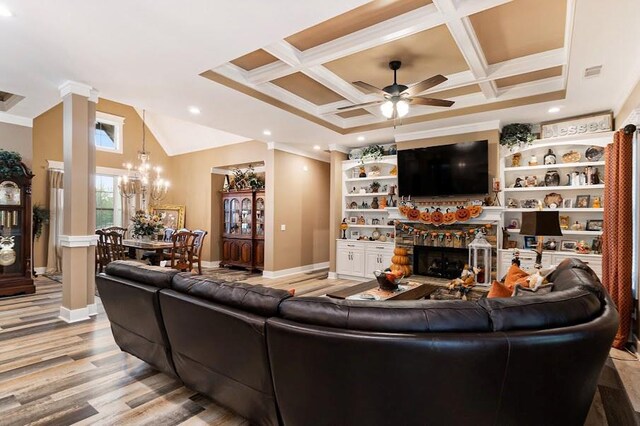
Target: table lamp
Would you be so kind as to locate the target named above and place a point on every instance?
(540, 224)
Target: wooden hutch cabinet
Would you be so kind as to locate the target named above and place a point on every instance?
(243, 229)
(15, 230)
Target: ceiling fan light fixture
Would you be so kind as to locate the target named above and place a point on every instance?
(402, 108)
(387, 109)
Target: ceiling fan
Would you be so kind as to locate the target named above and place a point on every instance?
(397, 97)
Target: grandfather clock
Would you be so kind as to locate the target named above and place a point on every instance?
(15, 226)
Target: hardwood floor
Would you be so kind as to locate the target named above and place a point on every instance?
(53, 373)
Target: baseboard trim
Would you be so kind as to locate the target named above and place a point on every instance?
(92, 309)
(333, 276)
(352, 278)
(211, 263)
(74, 315)
(40, 270)
(292, 271)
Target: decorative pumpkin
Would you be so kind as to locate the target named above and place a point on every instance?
(404, 210)
(437, 217)
(449, 217)
(462, 215)
(400, 251)
(405, 269)
(400, 260)
(425, 216)
(475, 211)
(413, 214)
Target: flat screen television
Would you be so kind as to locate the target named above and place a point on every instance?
(438, 171)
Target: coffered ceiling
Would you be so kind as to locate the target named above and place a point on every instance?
(491, 51)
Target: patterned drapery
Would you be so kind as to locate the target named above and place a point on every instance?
(618, 230)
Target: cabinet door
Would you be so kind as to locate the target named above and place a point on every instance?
(258, 253)
(343, 261)
(234, 251)
(357, 263)
(226, 250)
(227, 216)
(234, 223)
(246, 217)
(246, 252)
(259, 216)
(385, 259)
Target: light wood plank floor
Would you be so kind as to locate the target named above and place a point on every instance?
(53, 373)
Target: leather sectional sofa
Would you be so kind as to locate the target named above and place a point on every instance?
(276, 359)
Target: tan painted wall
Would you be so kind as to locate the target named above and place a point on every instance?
(47, 145)
(302, 204)
(17, 138)
(631, 103)
(493, 136)
(335, 205)
(194, 186)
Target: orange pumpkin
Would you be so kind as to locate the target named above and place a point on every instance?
(437, 217)
(462, 215)
(400, 260)
(425, 216)
(405, 269)
(474, 211)
(413, 214)
(449, 217)
(400, 251)
(404, 210)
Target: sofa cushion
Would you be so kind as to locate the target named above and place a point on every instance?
(520, 291)
(556, 309)
(155, 276)
(387, 316)
(253, 298)
(578, 275)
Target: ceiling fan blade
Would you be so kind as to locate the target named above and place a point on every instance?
(369, 88)
(366, 104)
(418, 88)
(431, 102)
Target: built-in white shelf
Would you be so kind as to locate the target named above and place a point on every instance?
(574, 210)
(564, 232)
(555, 166)
(555, 188)
(372, 226)
(367, 211)
(372, 178)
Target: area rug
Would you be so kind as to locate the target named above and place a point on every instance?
(229, 274)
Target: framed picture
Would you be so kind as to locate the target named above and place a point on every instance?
(582, 201)
(353, 220)
(530, 242)
(564, 222)
(355, 235)
(567, 203)
(514, 224)
(173, 215)
(512, 244)
(594, 225)
(568, 245)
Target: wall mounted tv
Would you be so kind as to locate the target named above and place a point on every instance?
(438, 171)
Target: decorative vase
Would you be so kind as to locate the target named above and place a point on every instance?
(552, 178)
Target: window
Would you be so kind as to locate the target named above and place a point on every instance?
(108, 136)
(105, 201)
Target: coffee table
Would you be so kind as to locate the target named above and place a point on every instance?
(418, 292)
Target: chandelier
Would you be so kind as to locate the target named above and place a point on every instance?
(143, 179)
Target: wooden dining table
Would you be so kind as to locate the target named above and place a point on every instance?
(156, 246)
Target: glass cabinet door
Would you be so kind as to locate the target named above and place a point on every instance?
(246, 216)
(227, 217)
(11, 242)
(235, 216)
(260, 217)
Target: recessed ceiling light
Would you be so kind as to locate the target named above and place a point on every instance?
(360, 138)
(553, 110)
(316, 147)
(4, 12)
(266, 132)
(194, 110)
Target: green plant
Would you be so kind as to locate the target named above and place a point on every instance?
(40, 218)
(10, 164)
(516, 134)
(372, 152)
(375, 186)
(243, 179)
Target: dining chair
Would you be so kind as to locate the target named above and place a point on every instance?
(110, 247)
(198, 244)
(102, 254)
(183, 250)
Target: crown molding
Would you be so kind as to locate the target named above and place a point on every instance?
(221, 171)
(339, 148)
(293, 150)
(93, 96)
(76, 88)
(15, 119)
(447, 131)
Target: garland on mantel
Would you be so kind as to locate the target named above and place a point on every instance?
(411, 230)
(434, 216)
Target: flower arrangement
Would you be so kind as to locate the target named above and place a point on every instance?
(145, 224)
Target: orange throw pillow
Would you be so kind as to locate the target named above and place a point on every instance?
(292, 291)
(499, 290)
(515, 275)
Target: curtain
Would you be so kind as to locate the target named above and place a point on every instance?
(618, 229)
(56, 220)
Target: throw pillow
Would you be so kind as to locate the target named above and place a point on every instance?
(292, 291)
(520, 291)
(514, 276)
(499, 290)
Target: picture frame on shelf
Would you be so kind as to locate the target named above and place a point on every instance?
(583, 201)
(514, 224)
(567, 203)
(568, 245)
(354, 235)
(353, 220)
(594, 225)
(530, 242)
(565, 222)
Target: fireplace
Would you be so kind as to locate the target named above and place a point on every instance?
(441, 262)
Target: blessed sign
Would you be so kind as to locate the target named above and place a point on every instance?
(577, 126)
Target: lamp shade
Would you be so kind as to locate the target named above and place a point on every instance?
(541, 224)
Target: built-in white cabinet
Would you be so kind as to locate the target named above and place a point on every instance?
(549, 258)
(359, 259)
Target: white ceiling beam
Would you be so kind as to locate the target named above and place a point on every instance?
(525, 64)
(285, 52)
(470, 7)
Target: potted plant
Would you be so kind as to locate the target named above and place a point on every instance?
(39, 219)
(516, 135)
(10, 164)
(375, 186)
(372, 153)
